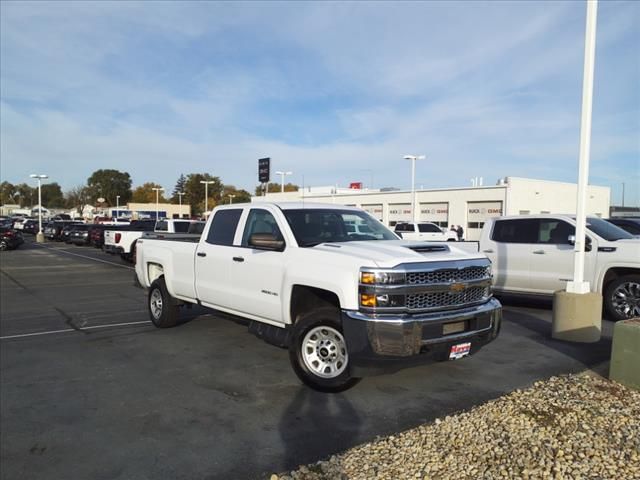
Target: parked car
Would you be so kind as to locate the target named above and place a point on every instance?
(79, 234)
(65, 235)
(346, 305)
(424, 231)
(62, 216)
(10, 239)
(534, 255)
(53, 230)
(630, 224)
(30, 226)
(96, 234)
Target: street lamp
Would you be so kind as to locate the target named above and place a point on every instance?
(206, 193)
(117, 207)
(180, 194)
(282, 175)
(157, 190)
(413, 159)
(40, 235)
(231, 197)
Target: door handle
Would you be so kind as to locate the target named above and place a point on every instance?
(539, 252)
(238, 259)
(201, 254)
(487, 251)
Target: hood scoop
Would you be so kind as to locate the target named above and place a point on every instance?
(429, 248)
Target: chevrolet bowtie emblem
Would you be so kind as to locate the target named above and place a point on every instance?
(458, 287)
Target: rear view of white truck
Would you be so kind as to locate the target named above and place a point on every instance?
(347, 302)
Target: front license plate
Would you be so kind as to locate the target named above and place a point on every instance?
(460, 350)
(456, 327)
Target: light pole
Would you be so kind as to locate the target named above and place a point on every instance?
(206, 193)
(180, 194)
(413, 159)
(282, 175)
(117, 207)
(40, 235)
(231, 197)
(157, 190)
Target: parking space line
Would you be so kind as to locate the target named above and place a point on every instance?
(93, 327)
(84, 256)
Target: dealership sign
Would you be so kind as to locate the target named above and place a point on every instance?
(264, 170)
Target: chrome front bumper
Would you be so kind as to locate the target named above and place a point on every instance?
(384, 343)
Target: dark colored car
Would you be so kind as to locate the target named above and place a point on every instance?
(10, 239)
(53, 230)
(30, 226)
(96, 234)
(65, 235)
(631, 225)
(79, 234)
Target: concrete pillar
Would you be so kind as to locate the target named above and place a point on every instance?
(577, 317)
(625, 353)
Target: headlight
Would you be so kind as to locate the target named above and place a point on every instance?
(380, 277)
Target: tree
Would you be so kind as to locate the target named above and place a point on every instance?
(78, 197)
(239, 196)
(194, 191)
(276, 187)
(179, 188)
(52, 196)
(145, 194)
(108, 184)
(25, 195)
(6, 193)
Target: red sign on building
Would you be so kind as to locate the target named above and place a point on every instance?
(355, 185)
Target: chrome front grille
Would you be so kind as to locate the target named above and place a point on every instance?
(433, 300)
(448, 275)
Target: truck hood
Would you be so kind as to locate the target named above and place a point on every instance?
(389, 253)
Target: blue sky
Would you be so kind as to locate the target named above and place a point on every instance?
(334, 91)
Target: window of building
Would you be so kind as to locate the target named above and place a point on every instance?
(223, 227)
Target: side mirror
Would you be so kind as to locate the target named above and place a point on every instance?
(265, 241)
(587, 242)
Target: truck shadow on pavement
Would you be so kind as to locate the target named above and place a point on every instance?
(589, 354)
(316, 421)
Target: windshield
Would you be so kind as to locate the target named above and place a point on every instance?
(314, 226)
(606, 230)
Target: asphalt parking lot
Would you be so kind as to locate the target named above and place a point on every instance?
(90, 389)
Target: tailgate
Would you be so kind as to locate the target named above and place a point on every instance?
(110, 237)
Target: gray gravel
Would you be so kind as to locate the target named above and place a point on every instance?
(569, 427)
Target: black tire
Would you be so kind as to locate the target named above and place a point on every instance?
(163, 313)
(4, 245)
(628, 285)
(328, 317)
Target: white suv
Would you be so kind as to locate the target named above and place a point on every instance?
(534, 254)
(424, 231)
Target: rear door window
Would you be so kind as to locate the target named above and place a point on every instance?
(516, 231)
(223, 227)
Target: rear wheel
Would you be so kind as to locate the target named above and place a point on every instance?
(163, 309)
(318, 351)
(622, 297)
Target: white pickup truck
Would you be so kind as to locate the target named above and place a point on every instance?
(534, 255)
(123, 240)
(345, 304)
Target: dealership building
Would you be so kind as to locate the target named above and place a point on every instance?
(466, 206)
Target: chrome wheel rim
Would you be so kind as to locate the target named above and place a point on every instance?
(626, 299)
(155, 304)
(324, 352)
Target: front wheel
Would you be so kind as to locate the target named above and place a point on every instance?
(4, 245)
(163, 309)
(622, 297)
(318, 351)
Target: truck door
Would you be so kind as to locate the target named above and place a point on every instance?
(257, 274)
(214, 258)
(552, 258)
(509, 247)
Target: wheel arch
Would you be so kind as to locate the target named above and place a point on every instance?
(305, 298)
(615, 272)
